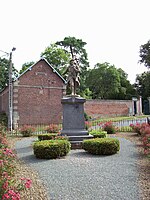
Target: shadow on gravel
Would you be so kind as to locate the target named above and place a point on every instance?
(32, 159)
(84, 154)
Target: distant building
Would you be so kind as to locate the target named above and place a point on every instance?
(37, 94)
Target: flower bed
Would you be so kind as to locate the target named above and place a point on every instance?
(143, 130)
(26, 131)
(53, 128)
(9, 187)
(109, 127)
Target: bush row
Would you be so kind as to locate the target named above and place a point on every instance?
(28, 130)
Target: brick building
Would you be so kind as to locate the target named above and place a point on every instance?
(37, 96)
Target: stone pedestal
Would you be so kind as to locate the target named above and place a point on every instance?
(73, 120)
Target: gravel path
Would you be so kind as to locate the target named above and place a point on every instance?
(81, 176)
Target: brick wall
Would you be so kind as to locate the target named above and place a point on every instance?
(104, 108)
(37, 96)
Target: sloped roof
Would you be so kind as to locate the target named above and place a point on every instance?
(42, 59)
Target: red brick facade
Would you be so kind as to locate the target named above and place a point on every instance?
(37, 96)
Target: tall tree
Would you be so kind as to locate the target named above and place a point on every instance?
(57, 57)
(4, 72)
(107, 82)
(26, 66)
(76, 48)
(142, 85)
(103, 81)
(145, 54)
(127, 90)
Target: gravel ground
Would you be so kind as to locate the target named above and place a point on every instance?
(81, 176)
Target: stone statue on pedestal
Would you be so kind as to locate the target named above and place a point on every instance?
(73, 78)
(73, 108)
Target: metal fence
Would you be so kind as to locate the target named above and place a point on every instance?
(36, 129)
(122, 126)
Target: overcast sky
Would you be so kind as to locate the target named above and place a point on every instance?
(114, 30)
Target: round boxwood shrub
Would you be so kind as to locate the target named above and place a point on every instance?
(50, 149)
(101, 146)
(98, 134)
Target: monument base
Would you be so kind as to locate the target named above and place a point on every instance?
(73, 120)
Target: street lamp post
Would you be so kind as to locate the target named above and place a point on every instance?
(10, 117)
(10, 101)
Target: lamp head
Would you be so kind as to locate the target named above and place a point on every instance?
(13, 49)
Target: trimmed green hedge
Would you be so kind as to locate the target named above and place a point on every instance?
(101, 146)
(98, 134)
(47, 136)
(51, 136)
(50, 149)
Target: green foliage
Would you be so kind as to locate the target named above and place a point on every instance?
(57, 57)
(145, 54)
(3, 119)
(142, 85)
(51, 149)
(101, 146)
(4, 69)
(126, 91)
(98, 133)
(47, 136)
(25, 66)
(26, 131)
(86, 93)
(76, 47)
(103, 81)
(107, 82)
(86, 117)
(51, 136)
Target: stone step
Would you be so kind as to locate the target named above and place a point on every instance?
(76, 144)
(79, 138)
(74, 132)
